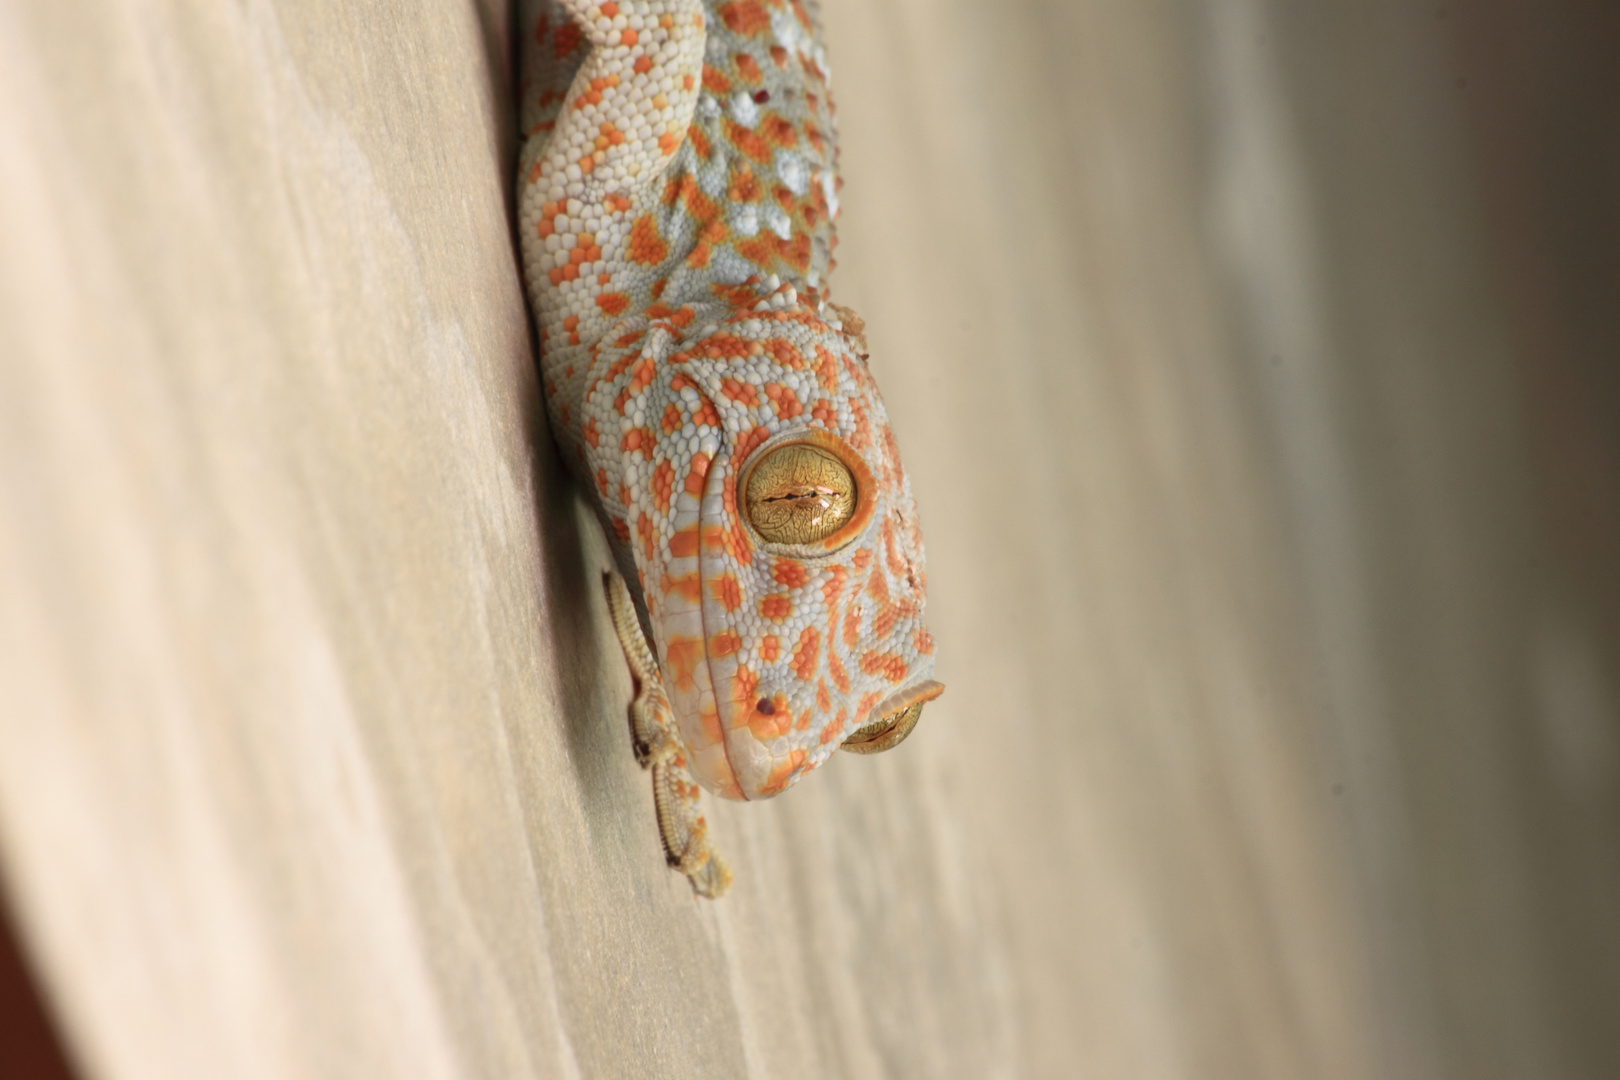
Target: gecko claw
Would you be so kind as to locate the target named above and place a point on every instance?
(683, 831)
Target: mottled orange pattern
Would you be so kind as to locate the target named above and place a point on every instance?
(677, 196)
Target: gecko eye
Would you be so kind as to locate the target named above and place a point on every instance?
(885, 734)
(800, 494)
(891, 730)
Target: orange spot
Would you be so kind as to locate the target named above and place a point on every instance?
(776, 607)
(746, 17)
(806, 652)
(709, 717)
(700, 141)
(672, 419)
(835, 668)
(610, 9)
(784, 400)
(642, 376)
(789, 573)
(776, 129)
(715, 81)
(761, 250)
(646, 246)
(637, 440)
(738, 546)
(727, 591)
(644, 532)
(835, 727)
(627, 36)
(569, 37)
(795, 252)
(888, 665)
(697, 474)
(923, 641)
(769, 648)
(743, 685)
(747, 443)
(862, 558)
(663, 484)
(613, 303)
(740, 392)
(684, 543)
(713, 231)
(783, 772)
(745, 186)
(823, 699)
(724, 643)
(687, 586)
(826, 368)
(706, 414)
(833, 585)
(770, 725)
(643, 64)
(786, 353)
(883, 622)
(748, 142)
(747, 68)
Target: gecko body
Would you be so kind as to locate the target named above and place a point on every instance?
(676, 195)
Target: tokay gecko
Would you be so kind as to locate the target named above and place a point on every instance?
(677, 189)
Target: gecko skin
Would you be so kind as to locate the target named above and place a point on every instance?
(677, 190)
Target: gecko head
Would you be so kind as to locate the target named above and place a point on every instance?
(778, 547)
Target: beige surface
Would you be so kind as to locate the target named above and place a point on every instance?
(1272, 596)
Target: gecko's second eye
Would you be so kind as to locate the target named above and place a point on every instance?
(897, 716)
(800, 494)
(884, 734)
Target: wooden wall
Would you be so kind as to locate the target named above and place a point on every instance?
(1254, 365)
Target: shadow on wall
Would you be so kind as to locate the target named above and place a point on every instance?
(29, 1046)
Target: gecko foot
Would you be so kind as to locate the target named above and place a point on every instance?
(676, 795)
(684, 831)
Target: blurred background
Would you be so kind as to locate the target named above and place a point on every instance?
(1255, 365)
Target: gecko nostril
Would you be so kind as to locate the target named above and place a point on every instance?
(765, 708)
(761, 96)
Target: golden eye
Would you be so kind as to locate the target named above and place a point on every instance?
(800, 494)
(885, 734)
